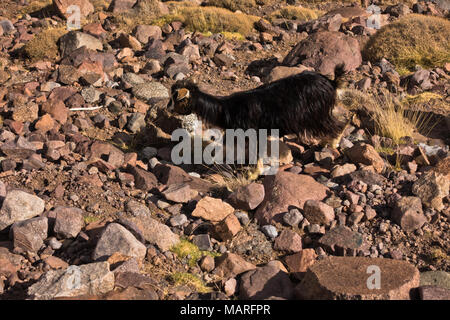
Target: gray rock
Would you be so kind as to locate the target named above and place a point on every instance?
(435, 278)
(155, 232)
(342, 241)
(75, 39)
(151, 92)
(270, 231)
(30, 234)
(203, 242)
(178, 220)
(88, 279)
(136, 208)
(293, 217)
(18, 206)
(115, 238)
(136, 122)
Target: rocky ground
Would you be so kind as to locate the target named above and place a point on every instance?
(93, 208)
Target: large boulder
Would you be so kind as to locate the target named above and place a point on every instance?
(18, 206)
(286, 189)
(324, 50)
(349, 278)
(88, 279)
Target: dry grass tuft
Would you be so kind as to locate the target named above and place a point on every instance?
(190, 280)
(45, 44)
(215, 20)
(296, 13)
(410, 41)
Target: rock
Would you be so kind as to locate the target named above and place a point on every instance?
(68, 222)
(230, 287)
(280, 72)
(366, 154)
(180, 193)
(347, 278)
(288, 241)
(431, 188)
(20, 149)
(293, 217)
(318, 212)
(398, 10)
(57, 109)
(223, 59)
(342, 170)
(55, 263)
(24, 112)
(121, 6)
(270, 231)
(435, 278)
(136, 122)
(324, 50)
(203, 242)
(433, 293)
(299, 263)
(143, 179)
(342, 241)
(170, 174)
(93, 279)
(144, 32)
(229, 265)
(62, 6)
(115, 238)
(73, 40)
(265, 282)
(286, 189)
(247, 197)
(207, 263)
(155, 232)
(19, 206)
(150, 92)
(407, 213)
(178, 220)
(30, 234)
(367, 177)
(228, 227)
(212, 209)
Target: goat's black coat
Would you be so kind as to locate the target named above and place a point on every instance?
(299, 104)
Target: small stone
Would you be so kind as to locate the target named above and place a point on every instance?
(30, 234)
(270, 231)
(293, 217)
(18, 206)
(207, 263)
(68, 222)
(318, 212)
(288, 241)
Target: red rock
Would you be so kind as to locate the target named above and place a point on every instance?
(347, 278)
(408, 213)
(288, 241)
(212, 209)
(62, 6)
(366, 154)
(228, 227)
(143, 179)
(247, 197)
(46, 123)
(287, 189)
(299, 263)
(318, 212)
(229, 265)
(180, 193)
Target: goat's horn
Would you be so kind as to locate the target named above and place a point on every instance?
(182, 93)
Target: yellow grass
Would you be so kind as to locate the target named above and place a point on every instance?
(44, 44)
(296, 13)
(190, 280)
(410, 41)
(215, 20)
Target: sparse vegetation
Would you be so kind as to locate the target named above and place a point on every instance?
(44, 45)
(296, 13)
(186, 249)
(145, 12)
(36, 5)
(394, 120)
(189, 279)
(410, 41)
(215, 20)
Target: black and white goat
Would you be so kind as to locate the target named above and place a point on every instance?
(300, 104)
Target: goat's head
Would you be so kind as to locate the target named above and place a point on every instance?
(180, 99)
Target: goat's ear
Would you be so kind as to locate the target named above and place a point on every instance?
(182, 94)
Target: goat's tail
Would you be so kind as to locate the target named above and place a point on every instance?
(339, 72)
